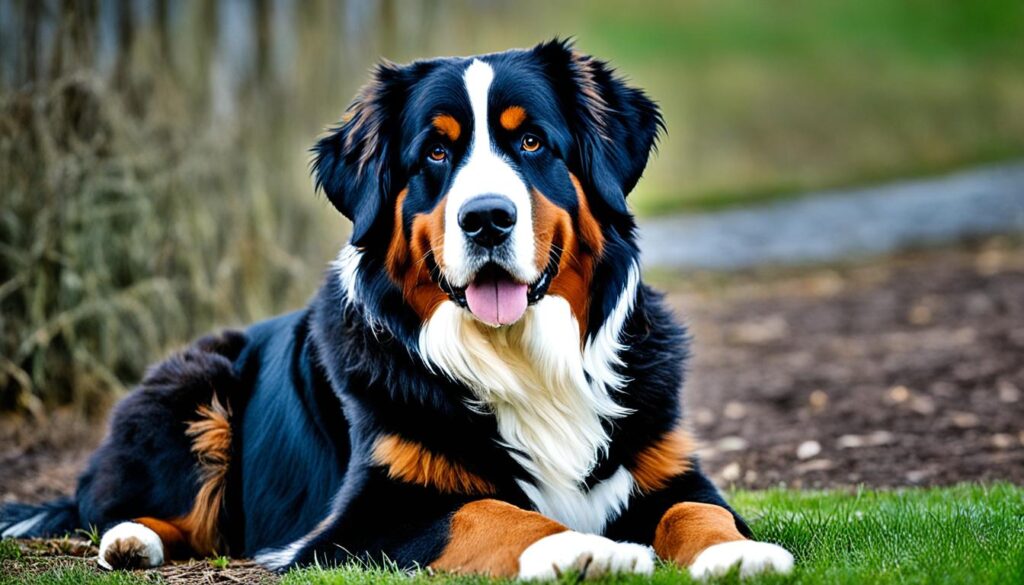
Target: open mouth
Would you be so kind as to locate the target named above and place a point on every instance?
(495, 297)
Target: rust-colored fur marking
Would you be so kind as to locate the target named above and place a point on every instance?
(398, 249)
(170, 535)
(664, 459)
(211, 443)
(581, 245)
(488, 536)
(448, 126)
(590, 230)
(512, 117)
(413, 463)
(406, 260)
(689, 528)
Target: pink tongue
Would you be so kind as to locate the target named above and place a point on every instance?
(499, 301)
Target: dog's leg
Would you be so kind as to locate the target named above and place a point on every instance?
(169, 448)
(693, 526)
(494, 538)
(704, 538)
(143, 543)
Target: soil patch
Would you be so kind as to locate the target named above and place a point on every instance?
(903, 371)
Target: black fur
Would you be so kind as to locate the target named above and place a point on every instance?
(311, 391)
(56, 517)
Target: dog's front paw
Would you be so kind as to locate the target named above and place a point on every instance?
(752, 556)
(130, 545)
(591, 555)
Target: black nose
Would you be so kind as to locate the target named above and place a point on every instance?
(488, 219)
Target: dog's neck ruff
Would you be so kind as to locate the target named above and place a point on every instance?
(550, 398)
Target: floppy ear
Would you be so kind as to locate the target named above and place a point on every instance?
(353, 164)
(615, 126)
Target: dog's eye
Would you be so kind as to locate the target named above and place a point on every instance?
(531, 143)
(437, 153)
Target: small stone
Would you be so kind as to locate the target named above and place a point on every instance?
(808, 449)
(731, 443)
(917, 476)
(704, 417)
(763, 331)
(923, 405)
(818, 400)
(731, 472)
(920, 314)
(1002, 441)
(814, 465)
(750, 476)
(1008, 393)
(850, 441)
(899, 394)
(965, 420)
(875, 439)
(734, 410)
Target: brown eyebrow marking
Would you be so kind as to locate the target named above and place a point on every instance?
(512, 117)
(448, 126)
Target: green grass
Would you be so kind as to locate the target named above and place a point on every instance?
(92, 534)
(74, 575)
(9, 551)
(962, 534)
(220, 562)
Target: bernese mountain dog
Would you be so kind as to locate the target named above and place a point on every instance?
(483, 384)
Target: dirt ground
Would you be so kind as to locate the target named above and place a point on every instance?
(902, 371)
(907, 370)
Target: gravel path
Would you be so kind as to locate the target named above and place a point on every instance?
(840, 224)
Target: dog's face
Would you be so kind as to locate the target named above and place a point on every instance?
(490, 181)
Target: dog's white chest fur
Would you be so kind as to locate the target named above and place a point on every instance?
(533, 377)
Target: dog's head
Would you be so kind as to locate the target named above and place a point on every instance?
(491, 181)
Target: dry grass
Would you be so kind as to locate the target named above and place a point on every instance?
(124, 233)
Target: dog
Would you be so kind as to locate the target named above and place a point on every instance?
(482, 384)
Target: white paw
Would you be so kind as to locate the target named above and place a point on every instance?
(591, 555)
(752, 556)
(130, 545)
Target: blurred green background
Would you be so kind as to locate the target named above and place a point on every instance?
(154, 154)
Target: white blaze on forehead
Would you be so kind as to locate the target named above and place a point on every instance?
(486, 171)
(478, 77)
